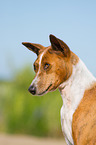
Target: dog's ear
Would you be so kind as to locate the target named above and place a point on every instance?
(59, 45)
(33, 47)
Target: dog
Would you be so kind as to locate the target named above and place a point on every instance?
(57, 66)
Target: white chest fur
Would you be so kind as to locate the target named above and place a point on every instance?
(72, 92)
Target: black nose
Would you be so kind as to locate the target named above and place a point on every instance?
(32, 90)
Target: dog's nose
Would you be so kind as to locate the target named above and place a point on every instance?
(32, 90)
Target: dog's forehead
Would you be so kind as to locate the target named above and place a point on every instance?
(44, 55)
(48, 55)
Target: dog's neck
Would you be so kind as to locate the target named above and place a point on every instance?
(73, 89)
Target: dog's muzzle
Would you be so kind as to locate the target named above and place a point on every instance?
(32, 89)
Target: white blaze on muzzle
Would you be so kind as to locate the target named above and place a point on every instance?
(33, 87)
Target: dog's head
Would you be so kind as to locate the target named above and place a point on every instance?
(52, 67)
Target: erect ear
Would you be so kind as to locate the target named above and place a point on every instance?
(59, 45)
(33, 47)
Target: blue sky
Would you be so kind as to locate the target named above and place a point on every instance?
(34, 20)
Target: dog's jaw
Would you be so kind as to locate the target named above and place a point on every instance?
(46, 91)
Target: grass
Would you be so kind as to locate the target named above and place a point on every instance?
(22, 113)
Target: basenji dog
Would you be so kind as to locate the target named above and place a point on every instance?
(58, 67)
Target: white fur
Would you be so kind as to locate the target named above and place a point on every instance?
(72, 92)
(36, 78)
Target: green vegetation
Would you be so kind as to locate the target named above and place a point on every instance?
(22, 113)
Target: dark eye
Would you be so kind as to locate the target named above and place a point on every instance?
(46, 65)
(34, 67)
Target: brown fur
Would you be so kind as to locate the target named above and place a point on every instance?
(74, 58)
(84, 119)
(59, 70)
(60, 58)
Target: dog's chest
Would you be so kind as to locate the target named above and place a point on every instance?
(66, 117)
(66, 122)
(71, 96)
(72, 92)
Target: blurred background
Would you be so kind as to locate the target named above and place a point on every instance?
(33, 21)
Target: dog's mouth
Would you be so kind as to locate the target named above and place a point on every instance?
(45, 90)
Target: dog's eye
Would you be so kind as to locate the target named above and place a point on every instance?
(34, 67)
(46, 65)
